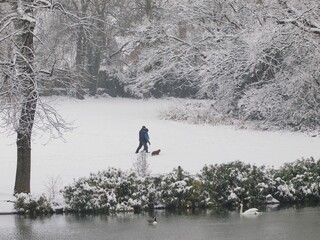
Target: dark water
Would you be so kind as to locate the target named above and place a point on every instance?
(279, 224)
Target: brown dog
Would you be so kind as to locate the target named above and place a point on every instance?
(155, 152)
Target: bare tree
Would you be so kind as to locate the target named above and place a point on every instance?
(53, 185)
(141, 165)
(21, 106)
(36, 39)
(19, 87)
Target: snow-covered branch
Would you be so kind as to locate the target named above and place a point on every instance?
(302, 20)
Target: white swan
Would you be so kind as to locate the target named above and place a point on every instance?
(250, 211)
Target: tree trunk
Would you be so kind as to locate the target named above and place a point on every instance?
(23, 172)
(94, 62)
(149, 8)
(25, 80)
(80, 62)
(92, 82)
(94, 54)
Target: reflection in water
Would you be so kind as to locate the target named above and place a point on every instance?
(273, 223)
(23, 228)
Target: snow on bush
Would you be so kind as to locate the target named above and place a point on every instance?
(226, 184)
(28, 204)
(231, 183)
(263, 117)
(115, 190)
(107, 190)
(178, 190)
(300, 181)
(197, 112)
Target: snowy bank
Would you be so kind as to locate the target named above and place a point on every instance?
(106, 135)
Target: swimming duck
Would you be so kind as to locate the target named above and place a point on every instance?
(152, 221)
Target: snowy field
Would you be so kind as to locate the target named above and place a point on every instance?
(106, 135)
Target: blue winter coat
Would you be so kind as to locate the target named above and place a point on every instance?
(143, 135)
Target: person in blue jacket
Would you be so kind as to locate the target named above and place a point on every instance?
(143, 139)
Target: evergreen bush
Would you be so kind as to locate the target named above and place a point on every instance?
(225, 185)
(27, 204)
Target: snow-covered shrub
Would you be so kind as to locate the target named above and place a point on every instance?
(28, 204)
(284, 192)
(300, 181)
(177, 190)
(104, 191)
(231, 183)
(225, 184)
(143, 195)
(110, 190)
(197, 112)
(114, 190)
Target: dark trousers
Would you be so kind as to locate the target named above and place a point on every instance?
(145, 146)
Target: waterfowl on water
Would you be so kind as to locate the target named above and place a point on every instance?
(250, 211)
(152, 221)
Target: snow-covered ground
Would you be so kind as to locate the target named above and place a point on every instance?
(106, 135)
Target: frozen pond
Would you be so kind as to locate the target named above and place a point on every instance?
(283, 224)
